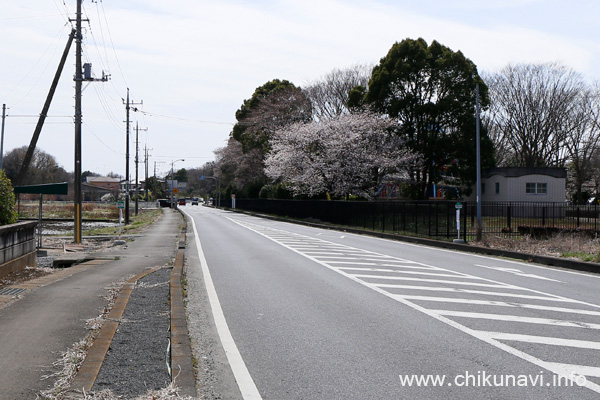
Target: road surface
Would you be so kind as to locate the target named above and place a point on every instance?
(307, 313)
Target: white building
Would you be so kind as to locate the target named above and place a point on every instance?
(518, 184)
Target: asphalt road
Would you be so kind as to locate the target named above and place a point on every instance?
(318, 314)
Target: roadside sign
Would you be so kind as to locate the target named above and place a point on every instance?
(121, 204)
(458, 205)
(175, 191)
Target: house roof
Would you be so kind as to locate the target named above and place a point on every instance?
(104, 179)
(515, 172)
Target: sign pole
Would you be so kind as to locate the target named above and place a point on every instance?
(458, 207)
(121, 205)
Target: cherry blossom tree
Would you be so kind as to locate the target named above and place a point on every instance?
(343, 155)
(239, 170)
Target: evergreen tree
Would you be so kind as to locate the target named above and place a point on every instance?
(8, 214)
(430, 90)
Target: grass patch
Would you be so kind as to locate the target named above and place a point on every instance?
(582, 256)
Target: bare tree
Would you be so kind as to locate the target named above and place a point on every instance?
(329, 94)
(43, 169)
(582, 143)
(347, 154)
(530, 116)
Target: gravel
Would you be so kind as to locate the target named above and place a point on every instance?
(136, 360)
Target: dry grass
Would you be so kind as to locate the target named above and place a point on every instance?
(574, 246)
(65, 210)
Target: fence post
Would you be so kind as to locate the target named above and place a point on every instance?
(416, 218)
(437, 219)
(429, 219)
(508, 216)
(373, 214)
(578, 214)
(544, 216)
(448, 219)
(464, 223)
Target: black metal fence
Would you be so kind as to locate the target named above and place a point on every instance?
(434, 218)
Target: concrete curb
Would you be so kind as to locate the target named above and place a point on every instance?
(182, 363)
(181, 350)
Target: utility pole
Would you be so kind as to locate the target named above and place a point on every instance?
(146, 167)
(128, 105)
(78, 83)
(79, 78)
(2, 138)
(137, 129)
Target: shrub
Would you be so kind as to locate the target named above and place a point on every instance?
(8, 214)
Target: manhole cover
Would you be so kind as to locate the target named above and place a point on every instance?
(11, 291)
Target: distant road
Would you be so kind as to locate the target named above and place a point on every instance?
(320, 314)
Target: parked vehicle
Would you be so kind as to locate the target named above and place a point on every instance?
(182, 202)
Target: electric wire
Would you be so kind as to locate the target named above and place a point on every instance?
(63, 12)
(197, 121)
(89, 128)
(113, 45)
(55, 45)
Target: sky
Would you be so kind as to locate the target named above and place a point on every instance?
(190, 64)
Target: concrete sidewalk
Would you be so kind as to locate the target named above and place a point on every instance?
(50, 313)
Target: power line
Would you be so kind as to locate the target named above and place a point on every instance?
(55, 45)
(186, 119)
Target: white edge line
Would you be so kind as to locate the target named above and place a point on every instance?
(558, 369)
(240, 371)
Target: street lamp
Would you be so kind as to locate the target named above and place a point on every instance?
(173, 197)
(479, 231)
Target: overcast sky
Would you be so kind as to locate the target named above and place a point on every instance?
(193, 62)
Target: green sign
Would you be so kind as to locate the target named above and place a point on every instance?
(121, 204)
(458, 206)
(48, 188)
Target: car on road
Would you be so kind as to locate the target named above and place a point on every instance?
(182, 202)
(195, 201)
